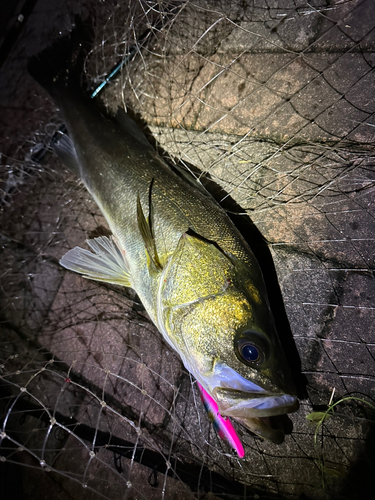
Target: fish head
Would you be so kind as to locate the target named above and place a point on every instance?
(212, 308)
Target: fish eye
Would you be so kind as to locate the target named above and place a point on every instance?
(251, 347)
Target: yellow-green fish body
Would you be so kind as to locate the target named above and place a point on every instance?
(193, 271)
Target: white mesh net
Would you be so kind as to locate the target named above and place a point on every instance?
(271, 104)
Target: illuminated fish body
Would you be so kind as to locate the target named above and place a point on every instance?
(193, 271)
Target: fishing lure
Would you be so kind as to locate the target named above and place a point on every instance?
(223, 426)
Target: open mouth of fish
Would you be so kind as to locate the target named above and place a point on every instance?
(248, 403)
(234, 403)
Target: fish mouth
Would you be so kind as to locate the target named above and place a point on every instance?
(248, 403)
(234, 403)
(255, 411)
(237, 396)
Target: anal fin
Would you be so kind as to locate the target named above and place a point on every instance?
(106, 263)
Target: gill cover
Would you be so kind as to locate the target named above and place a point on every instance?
(196, 273)
(201, 305)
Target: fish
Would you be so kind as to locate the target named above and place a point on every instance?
(171, 242)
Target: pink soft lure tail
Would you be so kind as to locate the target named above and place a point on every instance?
(223, 426)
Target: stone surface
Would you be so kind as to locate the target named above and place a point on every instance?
(275, 106)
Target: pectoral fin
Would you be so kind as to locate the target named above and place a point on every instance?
(145, 228)
(108, 262)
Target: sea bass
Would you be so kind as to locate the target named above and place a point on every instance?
(177, 248)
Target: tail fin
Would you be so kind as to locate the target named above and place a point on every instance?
(61, 65)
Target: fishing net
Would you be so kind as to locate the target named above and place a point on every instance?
(271, 105)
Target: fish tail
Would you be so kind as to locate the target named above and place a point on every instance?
(60, 66)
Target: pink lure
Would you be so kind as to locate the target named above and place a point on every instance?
(223, 426)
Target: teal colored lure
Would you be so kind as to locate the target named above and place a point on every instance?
(193, 271)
